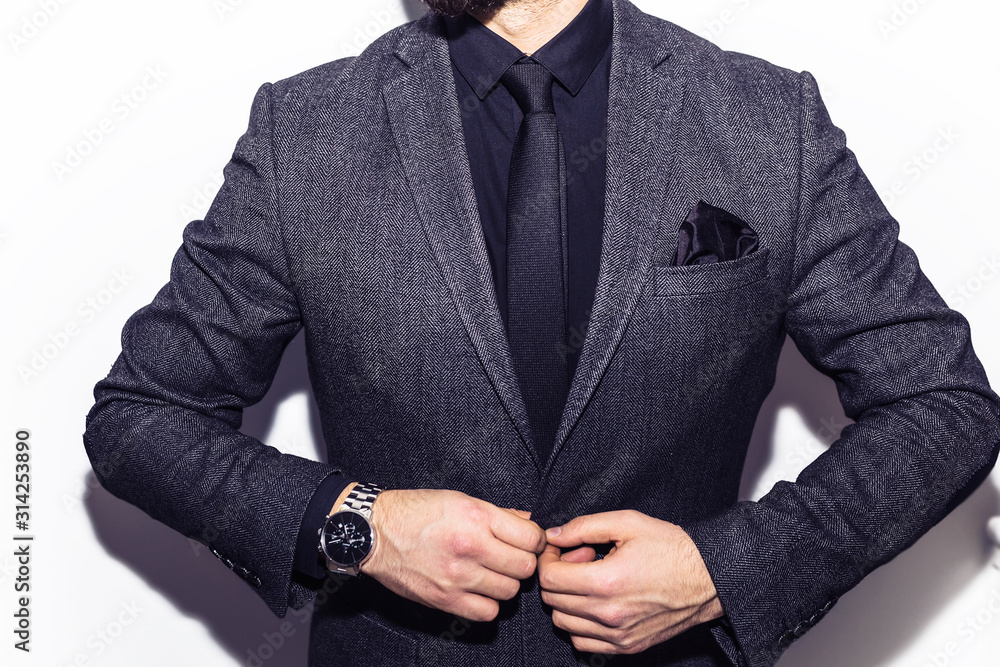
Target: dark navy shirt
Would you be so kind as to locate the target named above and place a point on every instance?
(579, 57)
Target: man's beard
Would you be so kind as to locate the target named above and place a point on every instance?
(458, 7)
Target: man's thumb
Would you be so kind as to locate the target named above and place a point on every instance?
(588, 529)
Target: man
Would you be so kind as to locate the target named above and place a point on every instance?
(545, 254)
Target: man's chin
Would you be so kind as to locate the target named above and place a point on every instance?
(459, 7)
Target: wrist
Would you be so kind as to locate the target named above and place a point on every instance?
(377, 519)
(708, 605)
(348, 537)
(712, 609)
(342, 498)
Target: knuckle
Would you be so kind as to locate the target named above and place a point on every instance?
(528, 567)
(510, 589)
(631, 646)
(527, 538)
(487, 612)
(537, 537)
(474, 511)
(461, 544)
(439, 597)
(610, 585)
(454, 570)
(630, 517)
(543, 541)
(613, 616)
(545, 578)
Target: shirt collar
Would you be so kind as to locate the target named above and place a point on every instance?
(482, 56)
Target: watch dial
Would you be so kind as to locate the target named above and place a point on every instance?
(347, 538)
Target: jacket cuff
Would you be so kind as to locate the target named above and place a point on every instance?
(307, 560)
(722, 632)
(741, 562)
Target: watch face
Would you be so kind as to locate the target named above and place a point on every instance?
(347, 538)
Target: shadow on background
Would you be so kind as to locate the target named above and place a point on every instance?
(879, 618)
(194, 580)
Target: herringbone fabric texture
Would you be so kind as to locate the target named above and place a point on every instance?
(348, 214)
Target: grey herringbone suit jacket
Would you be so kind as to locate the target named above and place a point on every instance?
(348, 210)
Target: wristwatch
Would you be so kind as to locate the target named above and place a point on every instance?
(347, 538)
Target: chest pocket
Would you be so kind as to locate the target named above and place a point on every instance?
(708, 278)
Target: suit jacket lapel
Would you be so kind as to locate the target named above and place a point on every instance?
(645, 94)
(426, 122)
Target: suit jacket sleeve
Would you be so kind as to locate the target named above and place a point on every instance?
(926, 422)
(163, 433)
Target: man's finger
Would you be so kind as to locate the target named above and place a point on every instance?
(475, 607)
(590, 645)
(560, 576)
(598, 528)
(524, 514)
(579, 555)
(581, 627)
(518, 532)
(495, 586)
(509, 561)
(548, 556)
(576, 605)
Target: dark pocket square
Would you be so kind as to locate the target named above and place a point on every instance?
(710, 234)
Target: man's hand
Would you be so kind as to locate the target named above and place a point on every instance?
(651, 586)
(451, 551)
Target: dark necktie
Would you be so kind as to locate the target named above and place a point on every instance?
(536, 294)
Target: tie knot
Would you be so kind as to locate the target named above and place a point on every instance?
(530, 84)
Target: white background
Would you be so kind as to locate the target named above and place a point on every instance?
(897, 76)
